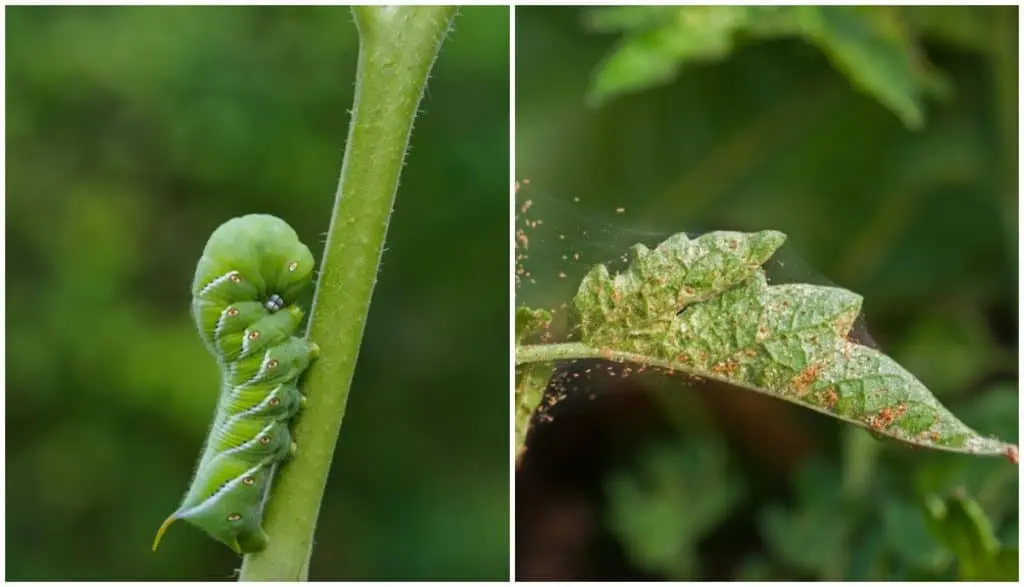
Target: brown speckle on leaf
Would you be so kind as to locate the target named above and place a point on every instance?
(831, 398)
(727, 367)
(805, 378)
(884, 418)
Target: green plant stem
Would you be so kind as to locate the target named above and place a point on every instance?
(568, 351)
(397, 48)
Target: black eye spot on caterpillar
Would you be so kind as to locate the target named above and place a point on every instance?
(231, 318)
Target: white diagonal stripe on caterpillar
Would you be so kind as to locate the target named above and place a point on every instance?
(223, 489)
(221, 322)
(208, 341)
(218, 281)
(250, 411)
(247, 342)
(254, 380)
(241, 447)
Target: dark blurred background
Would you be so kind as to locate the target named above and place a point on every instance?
(914, 206)
(131, 134)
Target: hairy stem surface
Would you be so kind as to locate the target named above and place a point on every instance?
(397, 48)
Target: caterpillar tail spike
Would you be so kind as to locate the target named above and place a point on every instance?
(163, 528)
(251, 272)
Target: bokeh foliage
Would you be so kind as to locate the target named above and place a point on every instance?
(883, 141)
(131, 134)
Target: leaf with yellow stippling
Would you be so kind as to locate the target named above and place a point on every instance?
(704, 307)
(529, 322)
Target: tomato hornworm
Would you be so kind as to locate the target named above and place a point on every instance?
(243, 302)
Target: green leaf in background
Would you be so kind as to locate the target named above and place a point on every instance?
(658, 40)
(788, 341)
(906, 536)
(815, 534)
(873, 47)
(961, 525)
(679, 494)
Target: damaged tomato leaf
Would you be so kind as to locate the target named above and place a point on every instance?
(530, 321)
(704, 307)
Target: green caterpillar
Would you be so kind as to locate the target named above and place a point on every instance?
(252, 270)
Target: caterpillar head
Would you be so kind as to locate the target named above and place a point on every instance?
(254, 257)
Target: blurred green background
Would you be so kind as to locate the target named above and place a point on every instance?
(883, 141)
(131, 134)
